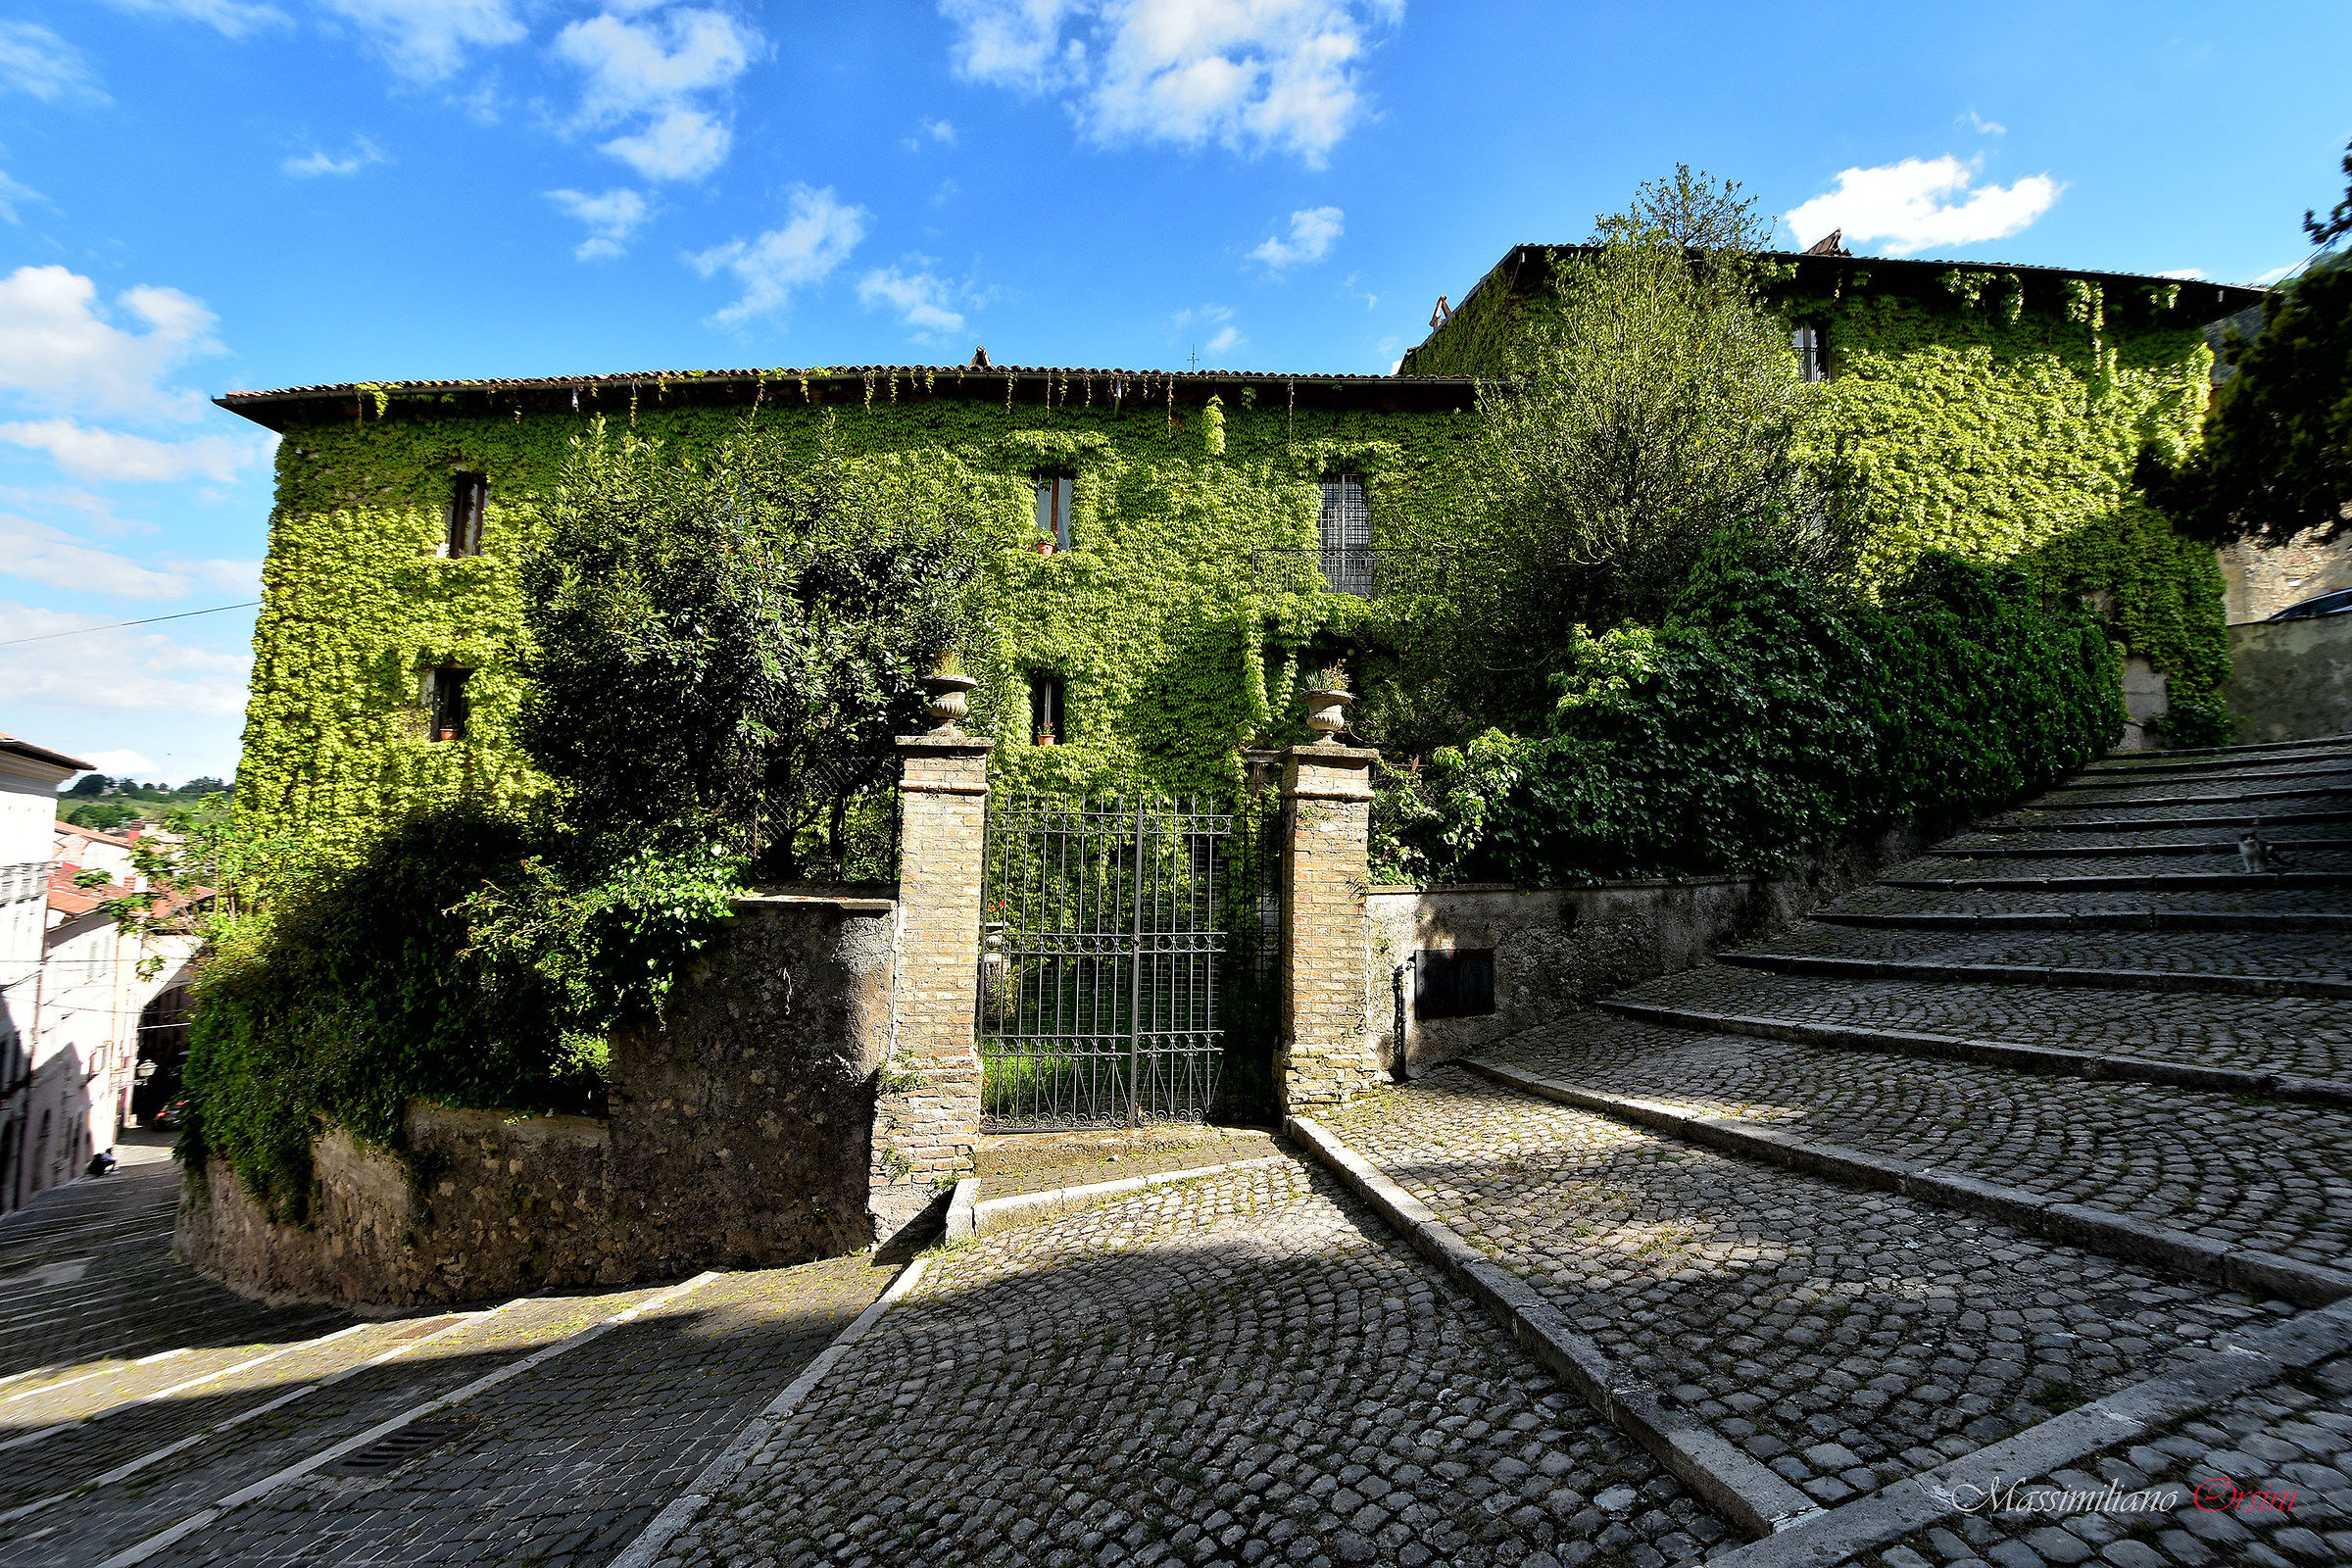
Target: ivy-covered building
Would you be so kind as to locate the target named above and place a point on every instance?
(1166, 548)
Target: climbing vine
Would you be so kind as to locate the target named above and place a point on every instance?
(1998, 416)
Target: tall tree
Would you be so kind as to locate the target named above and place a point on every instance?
(2278, 456)
(725, 648)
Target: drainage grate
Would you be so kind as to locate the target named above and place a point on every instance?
(393, 1450)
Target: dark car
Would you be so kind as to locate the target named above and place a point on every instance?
(171, 1113)
(2334, 602)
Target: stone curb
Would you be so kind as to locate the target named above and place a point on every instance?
(2181, 825)
(1733, 1484)
(1994, 1053)
(1018, 1209)
(2177, 981)
(731, 1460)
(2118, 851)
(2147, 882)
(961, 1220)
(2238, 1268)
(2239, 764)
(2123, 1416)
(2111, 921)
(2204, 800)
(2203, 773)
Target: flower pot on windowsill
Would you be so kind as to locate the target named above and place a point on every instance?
(1044, 737)
(1044, 547)
(448, 734)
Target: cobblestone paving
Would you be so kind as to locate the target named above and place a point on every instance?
(1036, 1162)
(1243, 1369)
(2185, 786)
(85, 1529)
(2302, 1034)
(1844, 1339)
(87, 1283)
(568, 1462)
(2263, 1481)
(2214, 840)
(2286, 955)
(2262, 1174)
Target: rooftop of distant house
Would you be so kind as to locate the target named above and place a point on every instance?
(41, 754)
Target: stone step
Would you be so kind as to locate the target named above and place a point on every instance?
(2278, 954)
(2258, 746)
(2031, 820)
(2171, 779)
(2147, 881)
(2275, 1084)
(2089, 920)
(1844, 1341)
(2251, 1176)
(1952, 848)
(2235, 764)
(2153, 803)
(2034, 974)
(1940, 898)
(2303, 1036)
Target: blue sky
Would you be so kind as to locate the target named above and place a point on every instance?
(208, 194)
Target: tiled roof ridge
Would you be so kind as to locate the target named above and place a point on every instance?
(787, 374)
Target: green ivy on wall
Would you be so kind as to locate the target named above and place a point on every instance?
(1156, 619)
(1995, 417)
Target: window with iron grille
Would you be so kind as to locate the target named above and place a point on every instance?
(1055, 492)
(1454, 982)
(1811, 340)
(1345, 531)
(445, 703)
(468, 496)
(1045, 710)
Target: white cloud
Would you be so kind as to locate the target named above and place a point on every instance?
(58, 346)
(321, 162)
(1923, 203)
(39, 552)
(111, 456)
(611, 219)
(2186, 275)
(938, 130)
(655, 70)
(1248, 74)
(817, 238)
(1314, 230)
(1224, 340)
(234, 18)
(39, 63)
(13, 195)
(683, 144)
(920, 299)
(1354, 287)
(1983, 126)
(2277, 275)
(125, 670)
(428, 40)
(122, 763)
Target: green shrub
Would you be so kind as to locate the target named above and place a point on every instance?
(1766, 716)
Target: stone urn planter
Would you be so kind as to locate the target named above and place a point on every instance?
(1327, 705)
(947, 685)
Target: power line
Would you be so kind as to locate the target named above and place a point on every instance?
(118, 625)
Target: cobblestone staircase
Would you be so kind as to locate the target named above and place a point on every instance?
(2049, 1109)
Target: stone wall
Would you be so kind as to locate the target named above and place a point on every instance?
(739, 1136)
(1321, 1058)
(2258, 582)
(2291, 680)
(1555, 948)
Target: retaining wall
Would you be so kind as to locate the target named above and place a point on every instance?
(1555, 948)
(740, 1135)
(2291, 680)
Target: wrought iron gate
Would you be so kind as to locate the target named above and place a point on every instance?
(1121, 941)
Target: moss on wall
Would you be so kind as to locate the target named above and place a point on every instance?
(1156, 619)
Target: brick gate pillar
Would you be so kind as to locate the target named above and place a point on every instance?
(927, 1112)
(1325, 1051)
